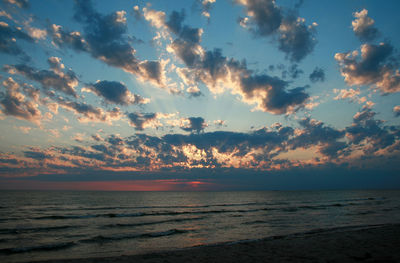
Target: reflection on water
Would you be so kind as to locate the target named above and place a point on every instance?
(48, 225)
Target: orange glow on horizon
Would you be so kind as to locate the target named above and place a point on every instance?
(126, 185)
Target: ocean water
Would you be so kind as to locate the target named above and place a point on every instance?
(40, 225)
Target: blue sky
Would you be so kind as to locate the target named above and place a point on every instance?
(209, 95)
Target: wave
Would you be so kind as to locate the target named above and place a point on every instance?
(102, 239)
(275, 207)
(33, 229)
(255, 222)
(84, 208)
(153, 222)
(46, 247)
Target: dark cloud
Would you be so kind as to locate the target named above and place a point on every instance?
(227, 142)
(316, 133)
(14, 103)
(270, 94)
(73, 40)
(266, 16)
(196, 124)
(8, 45)
(318, 74)
(294, 37)
(278, 100)
(363, 26)
(57, 78)
(105, 38)
(89, 113)
(366, 129)
(375, 66)
(115, 92)
(186, 46)
(97, 137)
(140, 120)
(136, 13)
(37, 155)
(293, 72)
(259, 149)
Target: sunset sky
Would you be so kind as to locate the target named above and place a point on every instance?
(199, 94)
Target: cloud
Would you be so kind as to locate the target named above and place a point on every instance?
(396, 110)
(187, 45)
(261, 149)
(8, 40)
(265, 18)
(346, 94)
(73, 39)
(363, 26)
(105, 38)
(370, 132)
(194, 91)
(375, 66)
(318, 74)
(270, 94)
(14, 103)
(206, 7)
(25, 129)
(140, 121)
(195, 124)
(220, 123)
(20, 3)
(89, 113)
(316, 133)
(136, 13)
(57, 77)
(219, 73)
(293, 72)
(296, 39)
(115, 92)
(34, 32)
(37, 154)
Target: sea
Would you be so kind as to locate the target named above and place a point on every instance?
(43, 225)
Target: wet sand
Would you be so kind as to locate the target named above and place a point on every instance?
(352, 244)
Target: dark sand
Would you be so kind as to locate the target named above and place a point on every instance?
(353, 244)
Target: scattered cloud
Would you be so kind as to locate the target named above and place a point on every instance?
(265, 19)
(194, 124)
(220, 123)
(140, 121)
(373, 67)
(105, 38)
(363, 26)
(18, 3)
(14, 103)
(219, 73)
(318, 74)
(57, 77)
(8, 40)
(89, 113)
(115, 92)
(396, 110)
(206, 7)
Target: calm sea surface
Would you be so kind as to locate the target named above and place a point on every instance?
(37, 225)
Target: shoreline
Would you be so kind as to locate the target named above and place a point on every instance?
(367, 243)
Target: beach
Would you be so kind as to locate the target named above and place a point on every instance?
(379, 243)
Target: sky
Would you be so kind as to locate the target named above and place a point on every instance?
(199, 95)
